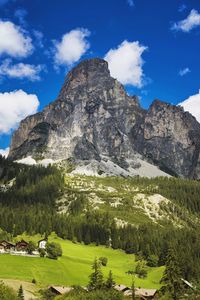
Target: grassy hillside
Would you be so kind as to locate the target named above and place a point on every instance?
(74, 266)
(138, 215)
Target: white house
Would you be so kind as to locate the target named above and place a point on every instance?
(42, 244)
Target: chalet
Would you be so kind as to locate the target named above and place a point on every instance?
(6, 246)
(21, 246)
(60, 290)
(143, 294)
(42, 244)
(121, 288)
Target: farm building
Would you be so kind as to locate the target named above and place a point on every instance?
(42, 244)
(21, 246)
(60, 290)
(6, 246)
(143, 294)
(121, 288)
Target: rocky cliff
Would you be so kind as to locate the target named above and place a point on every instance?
(94, 119)
(169, 138)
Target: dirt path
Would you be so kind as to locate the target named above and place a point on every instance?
(28, 288)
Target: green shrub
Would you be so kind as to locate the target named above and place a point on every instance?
(53, 250)
(103, 261)
(6, 293)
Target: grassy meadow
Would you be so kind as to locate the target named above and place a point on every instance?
(74, 266)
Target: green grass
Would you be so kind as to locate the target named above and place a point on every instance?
(74, 266)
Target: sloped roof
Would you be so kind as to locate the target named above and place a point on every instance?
(7, 243)
(145, 292)
(61, 289)
(120, 287)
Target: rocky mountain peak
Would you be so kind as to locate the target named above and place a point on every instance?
(90, 74)
(94, 120)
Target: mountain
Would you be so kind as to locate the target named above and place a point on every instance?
(97, 125)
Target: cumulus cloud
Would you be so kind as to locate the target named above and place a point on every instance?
(4, 152)
(15, 106)
(14, 41)
(20, 70)
(186, 25)
(71, 47)
(192, 104)
(184, 71)
(125, 63)
(130, 3)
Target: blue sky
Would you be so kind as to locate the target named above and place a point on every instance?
(160, 42)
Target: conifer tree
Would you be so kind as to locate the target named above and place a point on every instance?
(133, 290)
(172, 275)
(96, 278)
(21, 293)
(110, 282)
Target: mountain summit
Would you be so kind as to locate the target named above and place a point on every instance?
(95, 123)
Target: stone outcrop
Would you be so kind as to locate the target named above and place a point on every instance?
(94, 117)
(169, 138)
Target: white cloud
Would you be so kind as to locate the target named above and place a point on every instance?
(192, 104)
(15, 106)
(186, 25)
(4, 152)
(125, 63)
(20, 70)
(130, 3)
(14, 41)
(72, 46)
(184, 71)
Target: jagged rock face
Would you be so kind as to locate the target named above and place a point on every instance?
(170, 138)
(93, 117)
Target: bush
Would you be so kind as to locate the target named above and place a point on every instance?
(47, 294)
(53, 250)
(42, 252)
(31, 247)
(6, 293)
(93, 295)
(103, 261)
(141, 269)
(152, 261)
(34, 281)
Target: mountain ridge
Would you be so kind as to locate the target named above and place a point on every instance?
(94, 119)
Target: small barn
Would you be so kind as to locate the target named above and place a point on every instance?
(42, 244)
(146, 294)
(121, 288)
(60, 290)
(6, 246)
(21, 246)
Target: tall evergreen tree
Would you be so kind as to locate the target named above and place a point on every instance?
(133, 297)
(96, 278)
(21, 293)
(172, 275)
(110, 282)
